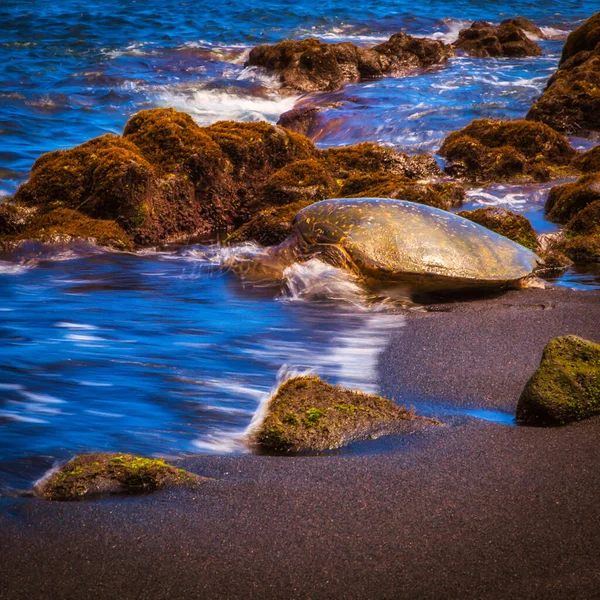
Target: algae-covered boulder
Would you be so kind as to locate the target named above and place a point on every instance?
(167, 178)
(270, 226)
(303, 120)
(514, 227)
(566, 385)
(310, 65)
(509, 38)
(14, 217)
(588, 162)
(96, 474)
(307, 414)
(384, 185)
(585, 38)
(582, 248)
(526, 25)
(565, 201)
(507, 150)
(301, 180)
(368, 157)
(571, 100)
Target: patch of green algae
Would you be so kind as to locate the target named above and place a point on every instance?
(308, 415)
(95, 474)
(566, 385)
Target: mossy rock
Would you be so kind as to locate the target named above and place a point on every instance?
(382, 185)
(14, 217)
(106, 177)
(369, 157)
(566, 385)
(174, 143)
(588, 162)
(507, 150)
(270, 226)
(307, 415)
(483, 39)
(91, 475)
(302, 180)
(514, 227)
(63, 224)
(565, 201)
(256, 147)
(311, 65)
(586, 221)
(571, 100)
(585, 38)
(582, 248)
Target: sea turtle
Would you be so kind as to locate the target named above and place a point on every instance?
(395, 241)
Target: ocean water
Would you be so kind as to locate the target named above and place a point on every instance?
(169, 353)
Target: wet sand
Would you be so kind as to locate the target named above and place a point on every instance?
(474, 509)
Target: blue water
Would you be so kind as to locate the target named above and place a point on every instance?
(168, 353)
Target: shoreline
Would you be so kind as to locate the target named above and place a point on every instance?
(473, 509)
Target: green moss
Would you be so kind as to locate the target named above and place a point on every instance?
(565, 387)
(307, 414)
(93, 474)
(565, 201)
(514, 227)
(507, 150)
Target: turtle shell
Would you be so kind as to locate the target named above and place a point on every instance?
(397, 240)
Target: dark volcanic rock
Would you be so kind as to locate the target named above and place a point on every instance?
(96, 474)
(566, 385)
(307, 414)
(507, 150)
(571, 100)
(506, 223)
(166, 178)
(507, 39)
(311, 65)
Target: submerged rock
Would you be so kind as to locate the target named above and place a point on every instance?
(566, 385)
(307, 415)
(509, 38)
(571, 101)
(515, 227)
(310, 65)
(507, 150)
(95, 474)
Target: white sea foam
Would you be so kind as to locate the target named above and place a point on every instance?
(8, 268)
(452, 28)
(207, 105)
(552, 33)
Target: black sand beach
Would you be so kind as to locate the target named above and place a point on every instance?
(471, 510)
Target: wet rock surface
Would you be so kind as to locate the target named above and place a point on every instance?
(307, 415)
(494, 150)
(92, 475)
(509, 38)
(514, 227)
(566, 385)
(571, 100)
(310, 65)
